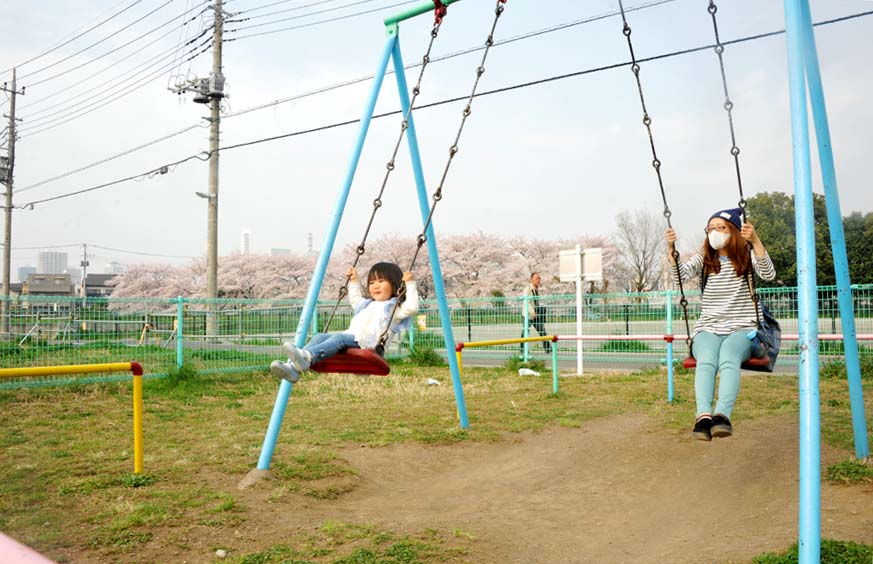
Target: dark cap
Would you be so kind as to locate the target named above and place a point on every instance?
(734, 215)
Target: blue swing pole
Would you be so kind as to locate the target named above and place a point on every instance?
(433, 254)
(809, 526)
(669, 305)
(838, 238)
(321, 266)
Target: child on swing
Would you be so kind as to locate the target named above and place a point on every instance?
(371, 318)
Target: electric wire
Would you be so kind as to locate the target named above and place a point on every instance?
(363, 79)
(277, 12)
(517, 86)
(56, 122)
(308, 14)
(106, 68)
(163, 169)
(122, 80)
(129, 252)
(180, 42)
(68, 41)
(452, 55)
(111, 158)
(106, 54)
(319, 22)
(89, 47)
(270, 5)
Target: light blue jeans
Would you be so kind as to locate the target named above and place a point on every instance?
(723, 355)
(325, 345)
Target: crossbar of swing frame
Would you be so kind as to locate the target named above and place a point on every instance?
(416, 10)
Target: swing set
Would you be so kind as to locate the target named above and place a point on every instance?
(804, 75)
(371, 361)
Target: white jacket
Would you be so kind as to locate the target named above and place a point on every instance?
(369, 323)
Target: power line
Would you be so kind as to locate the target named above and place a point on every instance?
(122, 46)
(143, 82)
(285, 11)
(56, 47)
(44, 247)
(554, 78)
(110, 36)
(125, 251)
(315, 13)
(164, 169)
(112, 158)
(270, 5)
(319, 22)
(41, 115)
(447, 56)
(118, 61)
(362, 79)
(451, 100)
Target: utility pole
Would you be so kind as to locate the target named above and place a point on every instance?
(211, 90)
(84, 264)
(7, 168)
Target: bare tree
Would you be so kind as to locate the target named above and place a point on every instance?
(639, 246)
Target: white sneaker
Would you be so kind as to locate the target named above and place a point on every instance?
(300, 358)
(284, 371)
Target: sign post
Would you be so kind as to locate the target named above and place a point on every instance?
(577, 265)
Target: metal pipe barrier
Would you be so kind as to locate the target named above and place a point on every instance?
(134, 368)
(460, 346)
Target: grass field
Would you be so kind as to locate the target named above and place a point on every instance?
(67, 488)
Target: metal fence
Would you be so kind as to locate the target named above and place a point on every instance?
(164, 333)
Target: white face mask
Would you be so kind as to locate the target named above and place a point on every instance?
(718, 239)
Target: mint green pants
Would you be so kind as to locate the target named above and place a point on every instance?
(721, 354)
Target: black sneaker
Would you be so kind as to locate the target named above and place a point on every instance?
(721, 426)
(701, 428)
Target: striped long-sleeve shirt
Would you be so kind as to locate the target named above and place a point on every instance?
(727, 304)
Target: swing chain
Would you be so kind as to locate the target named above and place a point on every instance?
(647, 119)
(656, 164)
(390, 165)
(438, 193)
(728, 104)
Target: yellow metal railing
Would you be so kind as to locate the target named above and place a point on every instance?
(134, 368)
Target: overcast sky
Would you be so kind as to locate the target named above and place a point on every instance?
(558, 159)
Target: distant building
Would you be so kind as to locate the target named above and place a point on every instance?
(97, 285)
(280, 252)
(24, 271)
(48, 285)
(245, 243)
(51, 262)
(75, 275)
(115, 267)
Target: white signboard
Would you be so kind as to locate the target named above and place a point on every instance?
(592, 264)
(570, 265)
(574, 263)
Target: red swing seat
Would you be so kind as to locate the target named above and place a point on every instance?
(758, 364)
(354, 361)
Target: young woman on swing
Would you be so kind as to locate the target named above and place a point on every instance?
(720, 339)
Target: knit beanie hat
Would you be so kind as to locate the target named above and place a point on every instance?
(734, 215)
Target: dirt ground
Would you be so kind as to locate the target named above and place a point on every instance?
(614, 490)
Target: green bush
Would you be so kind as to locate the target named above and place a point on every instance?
(832, 552)
(849, 471)
(837, 369)
(513, 363)
(425, 356)
(624, 346)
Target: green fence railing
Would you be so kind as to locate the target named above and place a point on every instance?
(164, 333)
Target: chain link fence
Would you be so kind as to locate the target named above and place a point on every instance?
(162, 334)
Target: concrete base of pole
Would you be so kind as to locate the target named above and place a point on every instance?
(253, 477)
